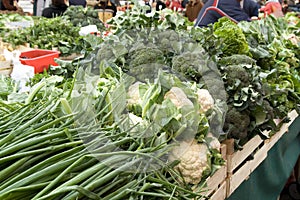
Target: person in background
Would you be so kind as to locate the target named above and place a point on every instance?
(215, 9)
(39, 5)
(77, 3)
(8, 5)
(160, 5)
(175, 5)
(184, 3)
(192, 9)
(147, 3)
(285, 6)
(106, 10)
(251, 7)
(117, 3)
(272, 7)
(57, 8)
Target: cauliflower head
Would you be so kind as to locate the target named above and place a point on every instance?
(205, 100)
(213, 142)
(194, 160)
(178, 97)
(135, 95)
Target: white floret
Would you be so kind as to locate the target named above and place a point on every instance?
(134, 94)
(193, 158)
(205, 100)
(178, 97)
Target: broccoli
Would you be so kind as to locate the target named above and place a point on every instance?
(105, 53)
(191, 65)
(236, 123)
(166, 40)
(237, 59)
(236, 76)
(144, 63)
(145, 55)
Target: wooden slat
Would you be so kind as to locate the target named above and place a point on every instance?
(238, 157)
(5, 72)
(244, 172)
(284, 129)
(220, 193)
(5, 65)
(223, 151)
(236, 176)
(215, 180)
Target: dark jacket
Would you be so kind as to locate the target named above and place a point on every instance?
(251, 8)
(77, 3)
(54, 11)
(160, 5)
(7, 5)
(215, 9)
(107, 6)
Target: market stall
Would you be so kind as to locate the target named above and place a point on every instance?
(149, 107)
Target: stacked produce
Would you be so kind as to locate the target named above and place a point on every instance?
(262, 81)
(6, 19)
(56, 33)
(141, 116)
(80, 16)
(55, 148)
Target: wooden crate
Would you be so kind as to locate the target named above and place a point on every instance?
(284, 129)
(238, 167)
(5, 68)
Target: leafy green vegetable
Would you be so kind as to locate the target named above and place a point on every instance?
(80, 16)
(234, 41)
(48, 34)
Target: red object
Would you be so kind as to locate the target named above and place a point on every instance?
(175, 5)
(271, 8)
(38, 58)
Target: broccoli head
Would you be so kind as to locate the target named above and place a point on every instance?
(191, 65)
(236, 76)
(144, 63)
(237, 59)
(145, 55)
(236, 123)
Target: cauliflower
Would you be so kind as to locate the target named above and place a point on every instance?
(205, 100)
(213, 142)
(135, 97)
(178, 97)
(194, 160)
(134, 94)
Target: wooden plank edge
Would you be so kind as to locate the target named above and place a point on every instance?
(284, 129)
(5, 72)
(220, 193)
(234, 180)
(216, 179)
(238, 157)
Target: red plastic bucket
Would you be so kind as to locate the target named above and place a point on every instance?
(40, 59)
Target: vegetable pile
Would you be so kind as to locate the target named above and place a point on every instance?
(80, 16)
(48, 34)
(142, 114)
(55, 148)
(261, 81)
